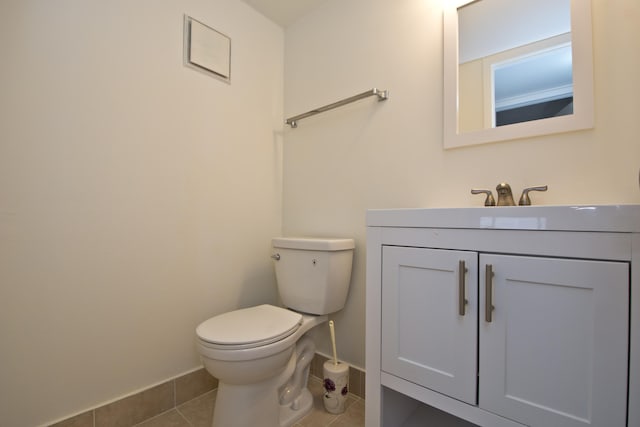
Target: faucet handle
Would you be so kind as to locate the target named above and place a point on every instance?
(489, 201)
(524, 199)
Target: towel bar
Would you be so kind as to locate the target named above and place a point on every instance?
(381, 94)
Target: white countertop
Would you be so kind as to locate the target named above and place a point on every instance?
(609, 218)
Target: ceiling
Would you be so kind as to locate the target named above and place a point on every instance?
(284, 12)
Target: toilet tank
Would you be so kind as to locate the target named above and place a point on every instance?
(313, 274)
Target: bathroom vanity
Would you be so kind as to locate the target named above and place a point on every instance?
(504, 316)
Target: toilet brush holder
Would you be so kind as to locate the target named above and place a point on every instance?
(336, 386)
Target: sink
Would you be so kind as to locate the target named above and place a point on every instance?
(609, 218)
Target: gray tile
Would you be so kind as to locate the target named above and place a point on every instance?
(199, 411)
(137, 408)
(155, 407)
(316, 365)
(83, 420)
(170, 418)
(193, 385)
(353, 416)
(354, 381)
(318, 417)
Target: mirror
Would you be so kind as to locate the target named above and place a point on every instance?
(516, 69)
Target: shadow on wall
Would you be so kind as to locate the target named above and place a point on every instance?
(258, 287)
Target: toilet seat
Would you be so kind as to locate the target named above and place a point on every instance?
(249, 327)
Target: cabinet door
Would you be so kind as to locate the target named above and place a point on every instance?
(555, 352)
(426, 339)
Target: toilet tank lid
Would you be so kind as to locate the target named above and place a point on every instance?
(313, 243)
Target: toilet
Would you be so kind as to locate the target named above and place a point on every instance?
(261, 355)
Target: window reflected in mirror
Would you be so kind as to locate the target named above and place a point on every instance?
(515, 62)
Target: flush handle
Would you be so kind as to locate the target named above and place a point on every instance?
(275, 257)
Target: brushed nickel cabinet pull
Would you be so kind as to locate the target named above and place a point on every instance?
(462, 301)
(488, 297)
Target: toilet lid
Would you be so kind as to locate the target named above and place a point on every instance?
(249, 327)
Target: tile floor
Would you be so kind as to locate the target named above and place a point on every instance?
(199, 412)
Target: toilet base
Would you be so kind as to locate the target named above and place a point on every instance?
(303, 405)
(279, 401)
(263, 410)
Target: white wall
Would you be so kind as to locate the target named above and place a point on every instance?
(389, 155)
(138, 197)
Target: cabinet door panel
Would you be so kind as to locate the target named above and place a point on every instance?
(424, 338)
(555, 353)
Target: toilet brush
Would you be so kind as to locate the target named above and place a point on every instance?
(332, 330)
(336, 379)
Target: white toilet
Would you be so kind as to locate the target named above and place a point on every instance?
(261, 355)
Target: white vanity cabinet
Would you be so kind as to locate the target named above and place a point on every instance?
(424, 337)
(503, 316)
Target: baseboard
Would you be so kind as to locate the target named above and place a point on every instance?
(139, 406)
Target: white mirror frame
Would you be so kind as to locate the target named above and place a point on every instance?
(582, 117)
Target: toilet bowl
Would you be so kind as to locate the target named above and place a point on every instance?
(261, 355)
(261, 381)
